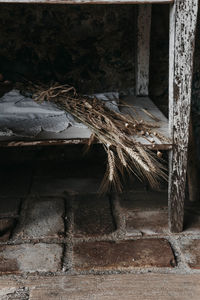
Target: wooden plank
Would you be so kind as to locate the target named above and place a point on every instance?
(89, 1)
(19, 143)
(143, 50)
(75, 135)
(183, 18)
(105, 287)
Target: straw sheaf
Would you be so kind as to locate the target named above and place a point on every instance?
(114, 130)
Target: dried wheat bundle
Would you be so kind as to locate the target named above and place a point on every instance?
(114, 130)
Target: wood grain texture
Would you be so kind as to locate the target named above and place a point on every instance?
(89, 1)
(143, 49)
(183, 18)
(106, 287)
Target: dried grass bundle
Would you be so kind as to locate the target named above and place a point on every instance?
(114, 130)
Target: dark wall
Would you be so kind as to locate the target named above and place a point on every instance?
(91, 47)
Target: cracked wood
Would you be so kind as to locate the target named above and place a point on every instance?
(183, 18)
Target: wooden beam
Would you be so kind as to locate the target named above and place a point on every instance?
(183, 18)
(143, 50)
(89, 1)
(103, 287)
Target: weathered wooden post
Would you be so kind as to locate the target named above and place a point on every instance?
(183, 19)
(143, 49)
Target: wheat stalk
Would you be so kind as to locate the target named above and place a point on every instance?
(114, 130)
(111, 165)
(121, 157)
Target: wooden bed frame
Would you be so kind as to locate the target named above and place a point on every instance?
(183, 19)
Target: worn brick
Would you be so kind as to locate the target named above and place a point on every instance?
(15, 181)
(191, 250)
(144, 200)
(6, 227)
(147, 222)
(45, 186)
(92, 216)
(110, 255)
(15, 294)
(191, 222)
(42, 218)
(192, 217)
(69, 169)
(9, 206)
(132, 184)
(30, 258)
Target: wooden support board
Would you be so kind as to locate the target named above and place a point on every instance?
(75, 135)
(143, 49)
(105, 287)
(89, 1)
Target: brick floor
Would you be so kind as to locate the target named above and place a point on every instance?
(45, 186)
(60, 206)
(30, 258)
(105, 287)
(15, 180)
(73, 169)
(9, 207)
(143, 200)
(147, 222)
(6, 227)
(192, 217)
(133, 184)
(191, 250)
(42, 218)
(92, 216)
(192, 222)
(123, 254)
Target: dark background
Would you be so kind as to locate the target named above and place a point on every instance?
(90, 47)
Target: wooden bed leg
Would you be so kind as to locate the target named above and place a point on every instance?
(183, 18)
(143, 49)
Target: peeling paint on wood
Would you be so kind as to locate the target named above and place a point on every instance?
(161, 147)
(89, 1)
(183, 18)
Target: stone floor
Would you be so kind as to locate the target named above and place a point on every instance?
(54, 223)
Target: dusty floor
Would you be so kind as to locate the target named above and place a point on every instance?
(54, 226)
